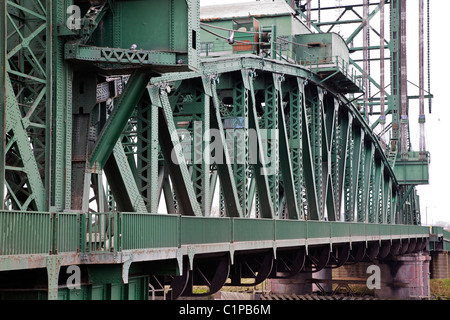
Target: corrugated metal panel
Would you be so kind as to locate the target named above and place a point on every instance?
(253, 229)
(357, 229)
(318, 229)
(205, 230)
(245, 9)
(340, 229)
(142, 230)
(25, 232)
(288, 229)
(68, 233)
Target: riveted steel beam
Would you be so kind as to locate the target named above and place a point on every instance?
(227, 181)
(330, 153)
(119, 117)
(261, 181)
(285, 157)
(358, 172)
(123, 184)
(368, 167)
(379, 179)
(297, 101)
(148, 150)
(30, 167)
(270, 125)
(118, 56)
(240, 142)
(171, 149)
(312, 211)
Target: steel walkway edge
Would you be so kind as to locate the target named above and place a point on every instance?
(31, 243)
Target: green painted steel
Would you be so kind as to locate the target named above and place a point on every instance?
(340, 230)
(205, 230)
(357, 229)
(141, 231)
(413, 171)
(118, 142)
(99, 229)
(134, 290)
(25, 233)
(318, 230)
(118, 119)
(117, 232)
(290, 229)
(439, 239)
(171, 14)
(122, 56)
(253, 230)
(67, 232)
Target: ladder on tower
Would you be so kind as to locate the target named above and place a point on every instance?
(392, 157)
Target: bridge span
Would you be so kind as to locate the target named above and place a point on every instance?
(152, 145)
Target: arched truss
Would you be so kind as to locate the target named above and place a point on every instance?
(320, 159)
(323, 160)
(281, 145)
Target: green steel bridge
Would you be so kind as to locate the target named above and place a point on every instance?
(154, 150)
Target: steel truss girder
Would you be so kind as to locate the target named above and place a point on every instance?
(325, 160)
(261, 180)
(285, 155)
(225, 172)
(171, 147)
(296, 117)
(118, 119)
(322, 159)
(26, 61)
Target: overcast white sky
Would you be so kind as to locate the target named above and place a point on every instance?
(434, 206)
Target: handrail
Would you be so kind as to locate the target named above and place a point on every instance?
(23, 232)
(113, 232)
(315, 63)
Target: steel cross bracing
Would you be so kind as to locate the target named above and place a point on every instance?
(388, 108)
(369, 19)
(89, 180)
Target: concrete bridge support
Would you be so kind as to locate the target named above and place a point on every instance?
(298, 285)
(440, 265)
(405, 277)
(301, 283)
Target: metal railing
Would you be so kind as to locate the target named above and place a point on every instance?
(144, 230)
(317, 64)
(52, 233)
(100, 232)
(206, 48)
(286, 51)
(25, 233)
(67, 232)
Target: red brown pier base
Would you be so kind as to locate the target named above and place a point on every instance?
(301, 284)
(440, 265)
(405, 277)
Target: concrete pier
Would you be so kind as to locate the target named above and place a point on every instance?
(301, 284)
(405, 277)
(297, 285)
(440, 265)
